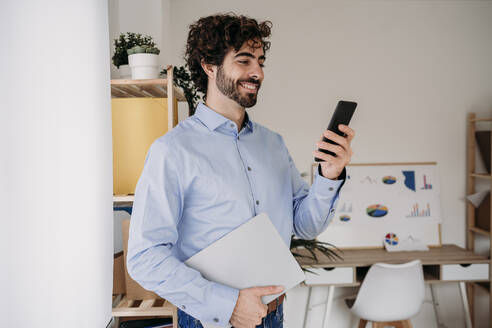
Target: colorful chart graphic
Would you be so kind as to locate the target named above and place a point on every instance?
(409, 179)
(391, 239)
(416, 212)
(377, 210)
(344, 218)
(389, 179)
(346, 207)
(426, 185)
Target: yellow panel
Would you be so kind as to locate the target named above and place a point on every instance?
(137, 122)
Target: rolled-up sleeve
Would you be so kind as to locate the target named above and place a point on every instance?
(313, 207)
(156, 213)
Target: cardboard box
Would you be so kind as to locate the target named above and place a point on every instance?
(133, 290)
(118, 274)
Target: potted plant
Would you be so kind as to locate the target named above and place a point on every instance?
(311, 246)
(182, 79)
(129, 41)
(144, 61)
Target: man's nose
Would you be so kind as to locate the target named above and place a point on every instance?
(257, 72)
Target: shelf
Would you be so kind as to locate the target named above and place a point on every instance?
(152, 307)
(481, 176)
(480, 231)
(151, 88)
(123, 198)
(481, 120)
(471, 152)
(483, 285)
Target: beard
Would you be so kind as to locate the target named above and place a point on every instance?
(230, 89)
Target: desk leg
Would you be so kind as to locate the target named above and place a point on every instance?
(435, 305)
(329, 304)
(465, 304)
(308, 304)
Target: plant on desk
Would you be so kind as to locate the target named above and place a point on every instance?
(327, 249)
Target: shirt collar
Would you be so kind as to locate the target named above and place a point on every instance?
(212, 119)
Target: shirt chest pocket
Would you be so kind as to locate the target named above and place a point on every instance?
(219, 186)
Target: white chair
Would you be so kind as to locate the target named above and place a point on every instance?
(390, 295)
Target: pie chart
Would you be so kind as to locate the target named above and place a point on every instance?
(389, 179)
(377, 210)
(344, 218)
(391, 239)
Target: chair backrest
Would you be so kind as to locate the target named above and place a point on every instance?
(391, 292)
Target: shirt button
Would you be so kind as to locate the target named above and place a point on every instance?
(183, 306)
(232, 125)
(216, 320)
(330, 189)
(257, 202)
(249, 169)
(332, 210)
(237, 137)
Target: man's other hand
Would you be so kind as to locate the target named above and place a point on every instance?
(249, 310)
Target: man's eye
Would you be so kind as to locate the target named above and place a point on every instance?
(243, 61)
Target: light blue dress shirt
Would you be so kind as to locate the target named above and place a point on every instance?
(202, 180)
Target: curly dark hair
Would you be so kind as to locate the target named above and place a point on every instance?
(210, 38)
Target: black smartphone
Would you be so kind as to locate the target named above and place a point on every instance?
(343, 114)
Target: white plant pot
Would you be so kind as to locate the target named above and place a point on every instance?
(144, 66)
(125, 72)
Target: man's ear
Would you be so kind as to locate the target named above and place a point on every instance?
(209, 69)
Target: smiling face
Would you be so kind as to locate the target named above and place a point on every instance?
(241, 74)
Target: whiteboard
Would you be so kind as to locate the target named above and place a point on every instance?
(378, 199)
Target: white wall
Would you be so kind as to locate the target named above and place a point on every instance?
(149, 17)
(415, 68)
(56, 171)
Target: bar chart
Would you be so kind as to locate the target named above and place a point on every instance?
(426, 185)
(417, 212)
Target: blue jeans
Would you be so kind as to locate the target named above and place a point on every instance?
(273, 320)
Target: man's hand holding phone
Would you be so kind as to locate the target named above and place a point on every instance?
(332, 166)
(334, 151)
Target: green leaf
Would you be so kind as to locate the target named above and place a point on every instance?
(313, 246)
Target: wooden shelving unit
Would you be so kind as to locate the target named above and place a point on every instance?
(151, 88)
(472, 229)
(124, 307)
(154, 88)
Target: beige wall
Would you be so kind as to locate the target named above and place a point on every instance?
(415, 67)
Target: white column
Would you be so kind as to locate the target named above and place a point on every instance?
(56, 164)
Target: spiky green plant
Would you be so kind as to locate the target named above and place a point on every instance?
(327, 249)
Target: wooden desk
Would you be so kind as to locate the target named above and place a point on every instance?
(448, 263)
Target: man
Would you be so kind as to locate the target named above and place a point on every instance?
(215, 171)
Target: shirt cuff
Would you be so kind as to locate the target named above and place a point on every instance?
(327, 187)
(224, 298)
(342, 175)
